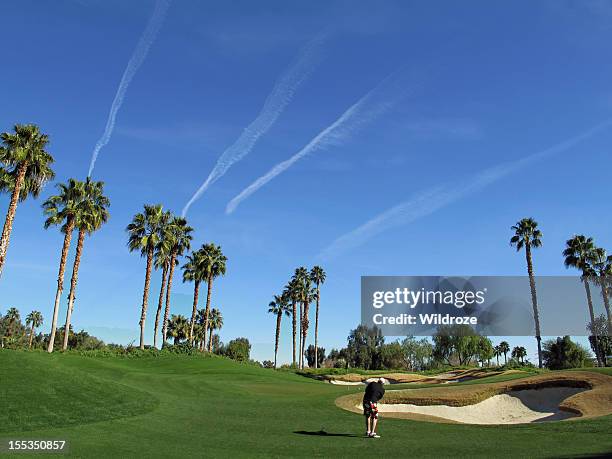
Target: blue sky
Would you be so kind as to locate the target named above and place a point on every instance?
(480, 84)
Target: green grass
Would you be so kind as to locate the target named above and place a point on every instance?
(183, 406)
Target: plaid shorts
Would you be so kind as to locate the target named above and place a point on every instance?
(370, 409)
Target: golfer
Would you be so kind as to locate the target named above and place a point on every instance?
(373, 393)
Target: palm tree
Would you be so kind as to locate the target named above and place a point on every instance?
(317, 276)
(91, 214)
(144, 235)
(213, 265)
(26, 170)
(12, 317)
(62, 209)
(161, 260)
(504, 348)
(496, 353)
(519, 353)
(216, 323)
(602, 265)
(197, 335)
(306, 295)
(33, 320)
(178, 237)
(278, 307)
(579, 253)
(527, 234)
(178, 328)
(193, 271)
(294, 295)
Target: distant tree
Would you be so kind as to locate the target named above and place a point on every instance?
(455, 344)
(485, 350)
(563, 353)
(392, 356)
(215, 323)
(519, 353)
(267, 364)
(311, 355)
(504, 348)
(579, 253)
(214, 264)
(417, 353)
(317, 276)
(145, 236)
(193, 271)
(178, 328)
(601, 338)
(496, 353)
(602, 267)
(527, 235)
(238, 349)
(33, 320)
(25, 169)
(278, 307)
(363, 347)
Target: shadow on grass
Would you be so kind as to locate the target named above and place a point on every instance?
(322, 433)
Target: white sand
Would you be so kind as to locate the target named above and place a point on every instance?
(345, 383)
(533, 405)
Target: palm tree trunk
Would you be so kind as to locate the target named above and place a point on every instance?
(534, 302)
(160, 302)
(304, 330)
(31, 336)
(207, 313)
(210, 335)
(194, 311)
(10, 214)
(587, 288)
(168, 290)
(145, 295)
(301, 359)
(279, 317)
(60, 281)
(294, 314)
(317, 330)
(73, 283)
(606, 299)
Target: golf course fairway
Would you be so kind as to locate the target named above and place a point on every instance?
(183, 406)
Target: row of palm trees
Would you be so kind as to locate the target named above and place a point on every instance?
(25, 167)
(33, 321)
(180, 328)
(303, 289)
(503, 348)
(162, 238)
(580, 252)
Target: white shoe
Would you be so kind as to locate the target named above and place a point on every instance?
(367, 434)
(374, 435)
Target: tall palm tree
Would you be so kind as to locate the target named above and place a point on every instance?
(214, 265)
(161, 260)
(496, 353)
(306, 295)
(293, 293)
(278, 307)
(198, 337)
(193, 271)
(62, 209)
(216, 323)
(91, 214)
(26, 169)
(317, 276)
(527, 235)
(602, 265)
(178, 237)
(33, 320)
(178, 328)
(144, 236)
(579, 253)
(504, 348)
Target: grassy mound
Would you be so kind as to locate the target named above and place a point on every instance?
(36, 392)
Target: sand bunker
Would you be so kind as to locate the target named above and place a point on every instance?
(551, 396)
(516, 407)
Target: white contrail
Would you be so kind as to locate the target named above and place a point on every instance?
(429, 201)
(354, 117)
(282, 93)
(138, 57)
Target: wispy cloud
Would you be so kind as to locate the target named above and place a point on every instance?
(429, 201)
(138, 57)
(366, 109)
(281, 95)
(455, 128)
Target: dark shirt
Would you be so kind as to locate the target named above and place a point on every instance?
(374, 392)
